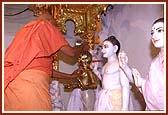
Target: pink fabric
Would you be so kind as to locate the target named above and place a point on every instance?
(38, 38)
(153, 87)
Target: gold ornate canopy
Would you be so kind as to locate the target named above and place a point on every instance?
(85, 16)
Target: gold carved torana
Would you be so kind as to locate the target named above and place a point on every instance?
(85, 17)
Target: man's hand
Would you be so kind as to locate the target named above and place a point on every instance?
(85, 46)
(77, 73)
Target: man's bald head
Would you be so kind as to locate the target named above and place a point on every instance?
(47, 16)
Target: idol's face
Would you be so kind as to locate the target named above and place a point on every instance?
(108, 49)
(157, 33)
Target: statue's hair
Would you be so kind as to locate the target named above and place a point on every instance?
(114, 41)
(158, 20)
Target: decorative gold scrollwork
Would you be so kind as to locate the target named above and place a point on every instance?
(86, 18)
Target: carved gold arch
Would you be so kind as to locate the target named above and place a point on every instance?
(85, 17)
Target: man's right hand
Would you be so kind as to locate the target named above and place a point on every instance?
(85, 46)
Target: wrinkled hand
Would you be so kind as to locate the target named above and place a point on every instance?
(76, 73)
(123, 59)
(85, 46)
(137, 77)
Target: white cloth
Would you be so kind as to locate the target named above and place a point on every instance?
(76, 102)
(103, 102)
